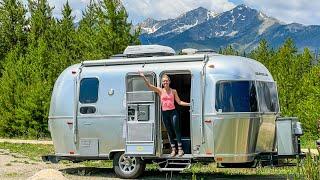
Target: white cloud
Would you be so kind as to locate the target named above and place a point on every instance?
(300, 11)
(142, 9)
(164, 9)
(76, 5)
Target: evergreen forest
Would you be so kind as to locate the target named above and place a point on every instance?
(35, 47)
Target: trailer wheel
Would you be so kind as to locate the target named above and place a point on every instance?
(128, 167)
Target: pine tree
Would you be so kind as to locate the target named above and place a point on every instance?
(13, 24)
(308, 94)
(114, 26)
(262, 53)
(30, 108)
(13, 40)
(87, 34)
(8, 92)
(229, 50)
(32, 67)
(104, 30)
(65, 49)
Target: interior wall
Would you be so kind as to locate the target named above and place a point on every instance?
(182, 83)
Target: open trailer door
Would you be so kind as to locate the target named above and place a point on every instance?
(141, 113)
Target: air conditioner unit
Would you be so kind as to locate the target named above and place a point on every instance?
(148, 51)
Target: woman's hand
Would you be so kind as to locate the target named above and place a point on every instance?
(148, 84)
(177, 98)
(141, 74)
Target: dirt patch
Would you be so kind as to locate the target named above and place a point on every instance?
(20, 141)
(16, 166)
(47, 174)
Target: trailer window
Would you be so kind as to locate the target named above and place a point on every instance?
(268, 99)
(89, 90)
(136, 83)
(236, 96)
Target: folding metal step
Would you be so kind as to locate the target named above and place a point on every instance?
(172, 169)
(175, 164)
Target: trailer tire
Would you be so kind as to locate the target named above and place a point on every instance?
(128, 167)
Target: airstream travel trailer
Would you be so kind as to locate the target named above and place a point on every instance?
(103, 110)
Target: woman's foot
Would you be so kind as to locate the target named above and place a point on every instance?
(173, 152)
(180, 152)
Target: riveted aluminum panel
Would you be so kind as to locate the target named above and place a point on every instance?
(88, 147)
(235, 135)
(140, 132)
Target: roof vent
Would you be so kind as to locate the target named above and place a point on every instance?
(118, 56)
(206, 51)
(148, 51)
(190, 51)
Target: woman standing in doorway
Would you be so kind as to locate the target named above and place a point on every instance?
(169, 113)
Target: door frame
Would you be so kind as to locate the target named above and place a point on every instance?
(174, 72)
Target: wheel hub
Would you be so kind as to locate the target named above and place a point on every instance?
(127, 164)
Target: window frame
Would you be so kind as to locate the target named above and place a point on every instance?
(153, 82)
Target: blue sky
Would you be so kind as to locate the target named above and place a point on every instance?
(306, 12)
(236, 1)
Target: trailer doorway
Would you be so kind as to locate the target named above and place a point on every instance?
(181, 81)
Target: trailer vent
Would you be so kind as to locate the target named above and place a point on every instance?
(148, 51)
(133, 97)
(190, 51)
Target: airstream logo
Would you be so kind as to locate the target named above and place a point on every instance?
(261, 74)
(139, 148)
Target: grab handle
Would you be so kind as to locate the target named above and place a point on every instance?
(192, 105)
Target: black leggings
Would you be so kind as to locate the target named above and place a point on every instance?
(171, 121)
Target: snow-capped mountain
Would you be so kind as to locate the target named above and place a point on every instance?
(171, 27)
(150, 25)
(242, 27)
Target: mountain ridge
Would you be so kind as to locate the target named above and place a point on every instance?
(242, 27)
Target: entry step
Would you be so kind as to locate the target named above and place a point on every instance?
(185, 156)
(175, 164)
(172, 169)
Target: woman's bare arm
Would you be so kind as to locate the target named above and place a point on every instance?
(149, 85)
(176, 97)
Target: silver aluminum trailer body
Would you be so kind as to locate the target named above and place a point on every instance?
(102, 109)
(227, 136)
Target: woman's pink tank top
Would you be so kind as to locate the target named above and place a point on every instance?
(167, 101)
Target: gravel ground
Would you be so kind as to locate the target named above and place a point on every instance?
(26, 141)
(15, 166)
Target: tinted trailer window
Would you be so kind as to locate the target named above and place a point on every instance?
(89, 90)
(268, 99)
(236, 96)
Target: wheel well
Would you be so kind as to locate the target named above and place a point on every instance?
(111, 154)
